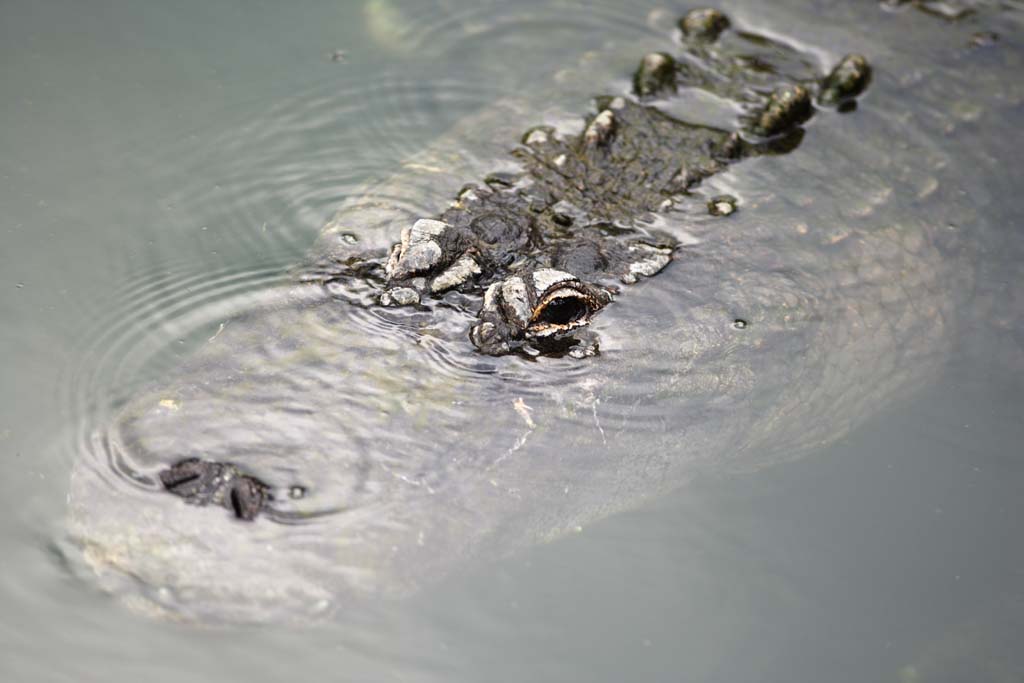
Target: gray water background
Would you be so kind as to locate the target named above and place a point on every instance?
(156, 158)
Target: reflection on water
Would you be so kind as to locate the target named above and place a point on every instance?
(161, 182)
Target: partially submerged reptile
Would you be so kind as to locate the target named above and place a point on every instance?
(547, 245)
(401, 454)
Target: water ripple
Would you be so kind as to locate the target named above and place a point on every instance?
(280, 173)
(149, 322)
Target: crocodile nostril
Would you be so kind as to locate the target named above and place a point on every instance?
(247, 497)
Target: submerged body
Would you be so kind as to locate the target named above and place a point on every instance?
(413, 452)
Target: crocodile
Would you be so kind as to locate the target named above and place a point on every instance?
(470, 388)
(543, 244)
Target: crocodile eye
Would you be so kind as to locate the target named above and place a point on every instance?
(535, 305)
(562, 311)
(565, 305)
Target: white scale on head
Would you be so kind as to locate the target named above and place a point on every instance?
(420, 250)
(545, 278)
(457, 273)
(513, 294)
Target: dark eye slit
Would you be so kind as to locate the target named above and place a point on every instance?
(563, 311)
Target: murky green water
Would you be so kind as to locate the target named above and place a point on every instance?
(161, 167)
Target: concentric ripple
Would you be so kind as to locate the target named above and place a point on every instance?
(439, 27)
(150, 323)
(280, 173)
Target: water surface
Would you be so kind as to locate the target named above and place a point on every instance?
(162, 167)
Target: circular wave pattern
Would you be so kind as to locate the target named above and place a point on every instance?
(278, 176)
(442, 27)
(152, 321)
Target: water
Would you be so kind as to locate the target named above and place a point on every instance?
(162, 168)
